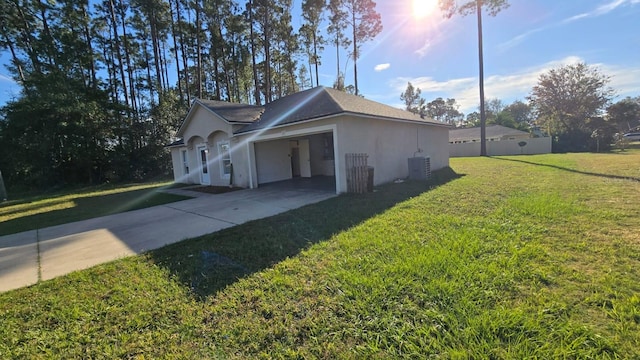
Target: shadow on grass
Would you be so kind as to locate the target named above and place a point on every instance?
(84, 208)
(608, 176)
(211, 262)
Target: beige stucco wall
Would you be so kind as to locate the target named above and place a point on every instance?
(273, 161)
(390, 143)
(319, 165)
(204, 128)
(265, 156)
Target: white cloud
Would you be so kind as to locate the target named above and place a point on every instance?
(625, 80)
(423, 50)
(502, 86)
(6, 78)
(599, 11)
(520, 38)
(382, 67)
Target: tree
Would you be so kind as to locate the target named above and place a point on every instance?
(337, 27)
(625, 114)
(445, 111)
(450, 7)
(566, 99)
(366, 24)
(473, 119)
(313, 14)
(492, 108)
(520, 111)
(412, 100)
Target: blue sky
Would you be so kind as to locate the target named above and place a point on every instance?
(440, 56)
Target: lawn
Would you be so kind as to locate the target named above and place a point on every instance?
(40, 211)
(504, 257)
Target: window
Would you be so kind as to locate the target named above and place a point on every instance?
(225, 159)
(185, 163)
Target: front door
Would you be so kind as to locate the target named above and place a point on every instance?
(305, 158)
(203, 153)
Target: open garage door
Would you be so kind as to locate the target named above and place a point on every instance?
(299, 161)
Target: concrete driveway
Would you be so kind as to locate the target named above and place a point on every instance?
(32, 256)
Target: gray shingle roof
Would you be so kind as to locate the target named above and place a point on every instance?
(492, 131)
(320, 102)
(310, 104)
(232, 112)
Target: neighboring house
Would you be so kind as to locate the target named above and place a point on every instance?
(301, 135)
(501, 140)
(493, 133)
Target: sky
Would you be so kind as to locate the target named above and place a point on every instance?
(440, 56)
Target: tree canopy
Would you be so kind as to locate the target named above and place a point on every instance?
(105, 84)
(412, 100)
(566, 100)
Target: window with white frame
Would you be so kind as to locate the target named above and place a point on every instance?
(225, 159)
(185, 162)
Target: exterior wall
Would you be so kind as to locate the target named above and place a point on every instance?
(390, 143)
(176, 162)
(273, 160)
(265, 157)
(320, 165)
(203, 123)
(503, 147)
(253, 143)
(215, 172)
(205, 128)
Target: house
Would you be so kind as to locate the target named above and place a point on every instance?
(501, 140)
(306, 134)
(493, 133)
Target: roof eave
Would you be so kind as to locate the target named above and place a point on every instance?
(187, 118)
(429, 123)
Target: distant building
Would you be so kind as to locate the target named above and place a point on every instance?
(501, 140)
(493, 132)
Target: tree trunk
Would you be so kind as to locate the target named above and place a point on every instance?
(130, 77)
(355, 51)
(256, 89)
(184, 53)
(116, 40)
(17, 63)
(315, 59)
(225, 67)
(483, 117)
(87, 37)
(198, 51)
(175, 53)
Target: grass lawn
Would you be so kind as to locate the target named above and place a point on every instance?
(36, 212)
(510, 257)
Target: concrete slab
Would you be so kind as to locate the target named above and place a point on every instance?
(76, 246)
(18, 260)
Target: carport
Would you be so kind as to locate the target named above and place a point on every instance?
(305, 157)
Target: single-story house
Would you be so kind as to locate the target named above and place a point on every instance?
(501, 140)
(493, 133)
(304, 135)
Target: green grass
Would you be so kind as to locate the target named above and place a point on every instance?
(513, 257)
(40, 211)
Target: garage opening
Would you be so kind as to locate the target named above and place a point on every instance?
(301, 162)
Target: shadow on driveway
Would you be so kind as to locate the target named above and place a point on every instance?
(211, 262)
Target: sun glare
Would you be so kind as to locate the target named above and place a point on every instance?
(423, 8)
